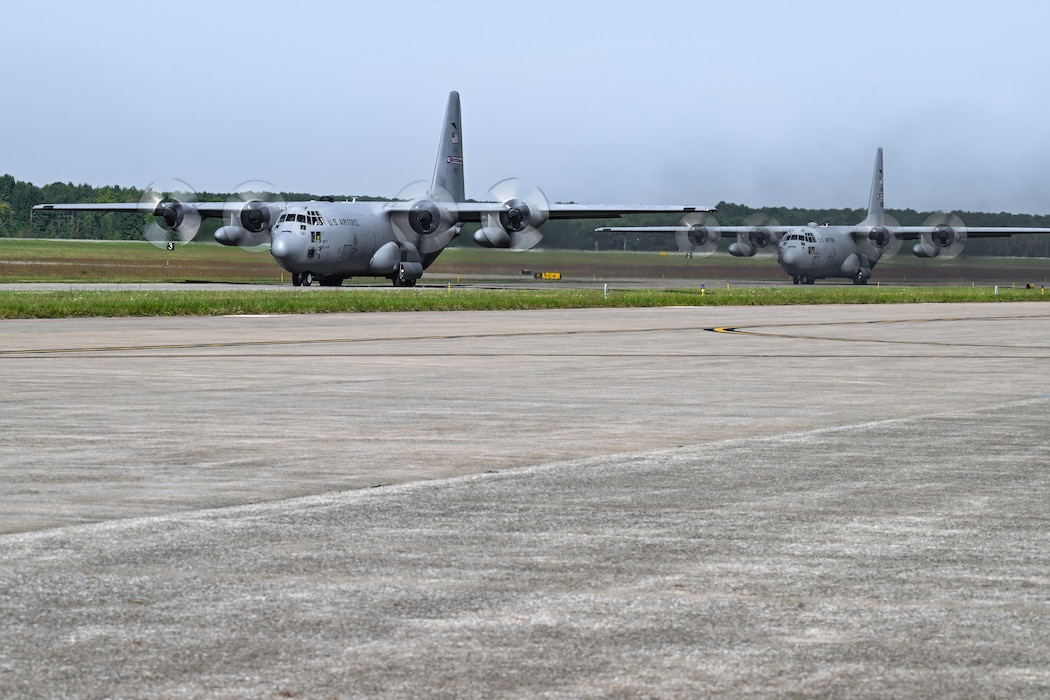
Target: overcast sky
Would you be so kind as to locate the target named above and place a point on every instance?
(657, 102)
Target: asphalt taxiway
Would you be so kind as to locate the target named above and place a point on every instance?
(842, 500)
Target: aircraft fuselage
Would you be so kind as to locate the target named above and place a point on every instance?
(812, 252)
(332, 241)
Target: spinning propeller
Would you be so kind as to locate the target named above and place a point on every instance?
(171, 202)
(702, 235)
(762, 238)
(947, 239)
(250, 213)
(516, 225)
(885, 241)
(429, 223)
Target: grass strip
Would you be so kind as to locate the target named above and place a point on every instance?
(80, 303)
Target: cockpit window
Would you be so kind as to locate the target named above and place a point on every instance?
(314, 218)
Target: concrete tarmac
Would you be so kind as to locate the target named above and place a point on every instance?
(843, 500)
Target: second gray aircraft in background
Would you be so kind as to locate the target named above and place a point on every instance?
(811, 252)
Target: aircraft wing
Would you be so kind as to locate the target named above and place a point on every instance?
(205, 209)
(945, 240)
(473, 212)
(946, 234)
(906, 232)
(704, 239)
(914, 232)
(592, 211)
(734, 230)
(515, 223)
(467, 212)
(183, 219)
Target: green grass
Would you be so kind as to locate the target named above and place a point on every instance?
(137, 261)
(39, 260)
(76, 303)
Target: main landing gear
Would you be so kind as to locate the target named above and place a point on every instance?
(803, 279)
(402, 278)
(305, 279)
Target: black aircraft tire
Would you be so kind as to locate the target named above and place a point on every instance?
(403, 280)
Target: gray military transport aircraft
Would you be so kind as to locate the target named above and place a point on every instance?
(331, 241)
(811, 252)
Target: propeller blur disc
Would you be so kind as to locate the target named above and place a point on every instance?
(763, 237)
(884, 241)
(172, 202)
(950, 235)
(430, 223)
(525, 209)
(702, 236)
(265, 205)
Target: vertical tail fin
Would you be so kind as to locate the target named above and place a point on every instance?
(877, 200)
(448, 169)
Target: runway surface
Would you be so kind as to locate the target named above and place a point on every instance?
(845, 500)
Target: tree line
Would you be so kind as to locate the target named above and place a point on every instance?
(17, 220)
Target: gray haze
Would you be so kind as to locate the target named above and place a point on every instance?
(761, 103)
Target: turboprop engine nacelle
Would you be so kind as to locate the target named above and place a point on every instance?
(750, 242)
(239, 236)
(517, 215)
(249, 226)
(516, 225)
(176, 214)
(426, 217)
(492, 237)
(880, 237)
(931, 245)
(702, 235)
(256, 216)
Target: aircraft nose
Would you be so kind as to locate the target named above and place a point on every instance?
(287, 248)
(788, 256)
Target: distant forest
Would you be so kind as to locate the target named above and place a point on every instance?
(18, 221)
